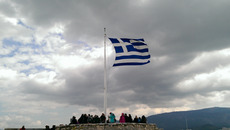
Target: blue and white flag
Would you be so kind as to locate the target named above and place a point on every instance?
(130, 51)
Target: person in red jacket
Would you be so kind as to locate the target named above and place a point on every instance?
(23, 128)
(122, 118)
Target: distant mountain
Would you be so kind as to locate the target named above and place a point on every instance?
(207, 127)
(204, 119)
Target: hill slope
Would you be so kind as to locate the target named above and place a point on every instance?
(216, 117)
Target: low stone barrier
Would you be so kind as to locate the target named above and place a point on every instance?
(26, 129)
(110, 126)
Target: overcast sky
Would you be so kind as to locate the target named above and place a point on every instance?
(51, 58)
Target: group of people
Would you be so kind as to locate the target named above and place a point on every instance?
(124, 118)
(88, 119)
(48, 127)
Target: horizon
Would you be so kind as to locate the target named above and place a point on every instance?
(117, 117)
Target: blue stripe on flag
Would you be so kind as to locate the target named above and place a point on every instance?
(132, 57)
(138, 43)
(143, 50)
(128, 39)
(133, 63)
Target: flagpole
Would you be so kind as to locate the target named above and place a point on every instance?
(105, 77)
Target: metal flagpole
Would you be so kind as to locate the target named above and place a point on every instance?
(105, 77)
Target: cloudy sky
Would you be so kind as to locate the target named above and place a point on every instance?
(51, 58)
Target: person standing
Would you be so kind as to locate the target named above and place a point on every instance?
(143, 119)
(130, 119)
(112, 117)
(122, 118)
(23, 128)
(73, 120)
(102, 118)
(135, 119)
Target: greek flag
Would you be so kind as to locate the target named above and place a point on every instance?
(130, 51)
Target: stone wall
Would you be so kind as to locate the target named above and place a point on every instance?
(110, 126)
(26, 129)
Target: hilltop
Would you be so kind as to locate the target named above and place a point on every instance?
(203, 119)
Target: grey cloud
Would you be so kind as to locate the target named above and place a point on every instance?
(7, 9)
(82, 87)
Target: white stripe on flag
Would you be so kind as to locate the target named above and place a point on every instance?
(132, 53)
(131, 61)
